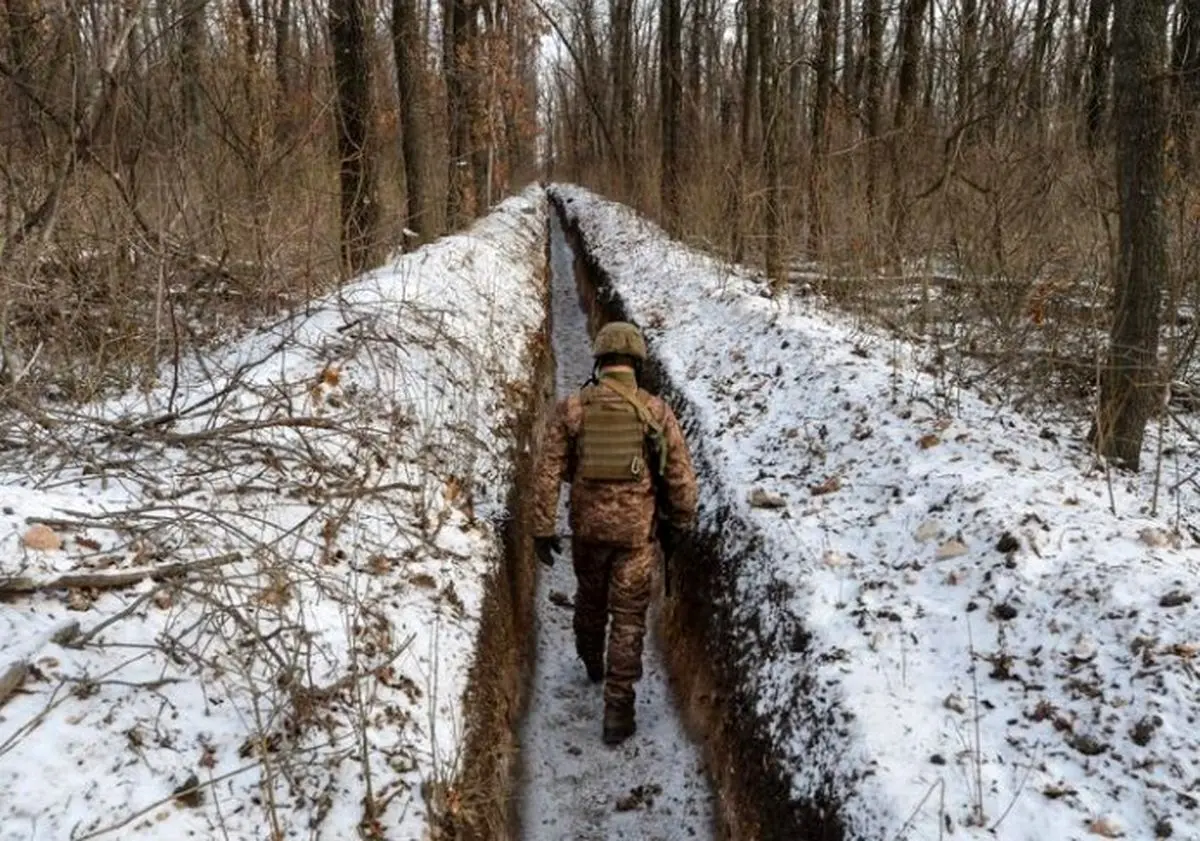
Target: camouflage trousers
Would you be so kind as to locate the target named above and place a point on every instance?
(614, 583)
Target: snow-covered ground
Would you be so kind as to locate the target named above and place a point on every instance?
(946, 618)
(651, 788)
(333, 483)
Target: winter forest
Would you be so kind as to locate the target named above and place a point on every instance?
(287, 286)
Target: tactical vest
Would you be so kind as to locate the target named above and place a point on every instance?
(612, 445)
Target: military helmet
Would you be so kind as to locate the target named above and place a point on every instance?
(619, 337)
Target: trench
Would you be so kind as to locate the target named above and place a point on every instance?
(655, 786)
(699, 635)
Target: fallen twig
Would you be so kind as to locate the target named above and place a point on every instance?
(110, 581)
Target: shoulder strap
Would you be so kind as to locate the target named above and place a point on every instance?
(631, 397)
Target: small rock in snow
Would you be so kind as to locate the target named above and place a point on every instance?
(42, 539)
(1106, 827)
(955, 702)
(1163, 829)
(1007, 543)
(952, 549)
(760, 498)
(937, 759)
(1175, 598)
(927, 531)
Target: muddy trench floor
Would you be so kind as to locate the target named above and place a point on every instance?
(653, 787)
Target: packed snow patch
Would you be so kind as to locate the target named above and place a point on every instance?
(946, 619)
(301, 525)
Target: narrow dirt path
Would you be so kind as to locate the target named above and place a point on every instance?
(652, 788)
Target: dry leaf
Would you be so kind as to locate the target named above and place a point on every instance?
(42, 539)
(331, 376)
(1154, 538)
(163, 599)
(833, 483)
(88, 543)
(927, 441)
(79, 600)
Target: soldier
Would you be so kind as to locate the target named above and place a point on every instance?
(632, 482)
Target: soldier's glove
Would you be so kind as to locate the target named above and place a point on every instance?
(545, 549)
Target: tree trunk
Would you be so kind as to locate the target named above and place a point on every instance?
(283, 41)
(873, 25)
(1131, 389)
(191, 46)
(768, 100)
(850, 75)
(671, 70)
(624, 96)
(740, 205)
(1185, 64)
(827, 27)
(408, 47)
(1099, 56)
(906, 97)
(969, 40)
(1035, 91)
(459, 209)
(694, 90)
(250, 30)
(352, 72)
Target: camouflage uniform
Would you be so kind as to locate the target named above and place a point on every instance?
(613, 525)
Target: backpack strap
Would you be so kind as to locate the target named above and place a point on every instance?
(631, 397)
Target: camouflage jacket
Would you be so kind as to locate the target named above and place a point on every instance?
(616, 513)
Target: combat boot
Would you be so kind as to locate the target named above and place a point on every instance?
(619, 724)
(595, 670)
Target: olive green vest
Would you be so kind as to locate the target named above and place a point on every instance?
(612, 439)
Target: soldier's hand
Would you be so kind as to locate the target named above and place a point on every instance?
(545, 548)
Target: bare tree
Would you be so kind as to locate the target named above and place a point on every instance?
(1099, 62)
(1131, 389)
(459, 200)
(670, 69)
(827, 26)
(408, 47)
(1185, 61)
(352, 70)
(772, 129)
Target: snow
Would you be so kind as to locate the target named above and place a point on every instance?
(873, 617)
(651, 788)
(357, 455)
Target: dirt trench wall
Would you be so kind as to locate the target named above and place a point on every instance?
(703, 650)
(483, 807)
